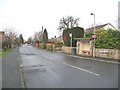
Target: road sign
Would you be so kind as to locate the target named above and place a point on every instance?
(93, 36)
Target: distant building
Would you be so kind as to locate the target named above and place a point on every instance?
(104, 26)
(60, 39)
(119, 15)
(52, 40)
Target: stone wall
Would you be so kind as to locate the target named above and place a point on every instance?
(108, 53)
(66, 49)
(104, 53)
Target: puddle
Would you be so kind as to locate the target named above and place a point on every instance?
(28, 53)
(34, 68)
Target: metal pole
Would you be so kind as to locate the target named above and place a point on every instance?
(71, 40)
(94, 37)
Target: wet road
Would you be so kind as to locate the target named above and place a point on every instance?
(45, 69)
(0, 73)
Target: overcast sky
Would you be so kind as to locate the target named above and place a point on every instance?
(28, 16)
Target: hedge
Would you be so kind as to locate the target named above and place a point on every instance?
(77, 32)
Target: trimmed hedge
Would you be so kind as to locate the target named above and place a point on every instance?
(77, 32)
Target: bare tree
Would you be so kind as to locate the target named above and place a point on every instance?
(68, 22)
(38, 36)
(10, 36)
(29, 41)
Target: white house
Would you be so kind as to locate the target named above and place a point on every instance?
(119, 15)
(104, 26)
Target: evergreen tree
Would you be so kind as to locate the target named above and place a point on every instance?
(45, 38)
(21, 38)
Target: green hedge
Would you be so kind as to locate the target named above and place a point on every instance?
(77, 32)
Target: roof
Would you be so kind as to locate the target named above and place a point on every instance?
(83, 39)
(88, 30)
(52, 40)
(2, 32)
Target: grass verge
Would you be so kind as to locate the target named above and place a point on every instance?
(3, 53)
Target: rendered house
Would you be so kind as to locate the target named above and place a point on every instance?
(119, 15)
(104, 26)
(2, 34)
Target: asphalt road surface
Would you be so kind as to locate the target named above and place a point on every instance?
(46, 69)
(0, 73)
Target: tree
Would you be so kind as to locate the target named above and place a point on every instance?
(67, 23)
(10, 36)
(45, 38)
(29, 40)
(21, 38)
(38, 36)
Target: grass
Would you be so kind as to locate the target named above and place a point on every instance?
(3, 53)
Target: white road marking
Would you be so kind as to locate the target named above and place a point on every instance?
(82, 69)
(47, 57)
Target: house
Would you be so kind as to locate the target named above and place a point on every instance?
(59, 39)
(119, 15)
(56, 42)
(52, 40)
(104, 26)
(2, 35)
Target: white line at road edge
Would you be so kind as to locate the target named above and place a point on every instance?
(95, 59)
(82, 69)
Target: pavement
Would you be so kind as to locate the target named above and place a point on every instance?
(44, 69)
(11, 71)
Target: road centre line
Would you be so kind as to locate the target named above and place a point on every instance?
(46, 57)
(82, 69)
(75, 67)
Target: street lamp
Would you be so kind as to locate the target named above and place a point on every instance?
(71, 39)
(94, 36)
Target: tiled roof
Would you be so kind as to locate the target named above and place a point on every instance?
(82, 39)
(52, 40)
(97, 27)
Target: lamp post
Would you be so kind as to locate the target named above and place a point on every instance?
(71, 39)
(94, 36)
